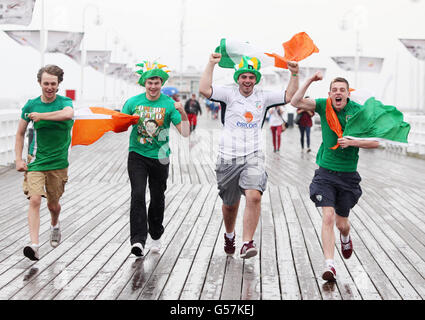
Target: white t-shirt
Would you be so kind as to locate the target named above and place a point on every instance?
(243, 118)
(275, 119)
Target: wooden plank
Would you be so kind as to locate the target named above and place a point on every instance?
(56, 261)
(312, 244)
(287, 274)
(118, 258)
(233, 272)
(185, 262)
(352, 280)
(306, 277)
(195, 280)
(129, 278)
(407, 272)
(151, 261)
(156, 282)
(270, 288)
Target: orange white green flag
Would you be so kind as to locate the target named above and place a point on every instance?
(90, 124)
(299, 47)
(375, 121)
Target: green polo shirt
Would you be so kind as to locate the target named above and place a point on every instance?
(150, 136)
(344, 160)
(51, 141)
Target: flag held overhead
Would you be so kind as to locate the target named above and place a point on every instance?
(298, 48)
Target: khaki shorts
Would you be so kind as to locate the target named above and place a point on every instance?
(48, 184)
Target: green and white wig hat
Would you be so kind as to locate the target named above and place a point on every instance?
(248, 64)
(150, 70)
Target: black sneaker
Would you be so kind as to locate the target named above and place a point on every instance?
(31, 253)
(137, 249)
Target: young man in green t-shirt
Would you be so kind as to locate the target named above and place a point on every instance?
(47, 170)
(149, 151)
(336, 184)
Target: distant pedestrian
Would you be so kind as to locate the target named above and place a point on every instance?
(192, 108)
(276, 121)
(304, 124)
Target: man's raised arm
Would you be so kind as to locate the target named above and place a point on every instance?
(298, 99)
(293, 81)
(205, 84)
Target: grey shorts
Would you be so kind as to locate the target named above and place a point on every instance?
(240, 174)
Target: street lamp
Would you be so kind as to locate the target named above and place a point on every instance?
(105, 66)
(358, 18)
(83, 51)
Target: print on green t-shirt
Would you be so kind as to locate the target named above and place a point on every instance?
(50, 145)
(344, 160)
(150, 136)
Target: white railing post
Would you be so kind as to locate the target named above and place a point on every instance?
(9, 119)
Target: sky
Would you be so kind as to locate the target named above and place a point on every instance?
(152, 30)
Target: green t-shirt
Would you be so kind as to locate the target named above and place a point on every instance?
(50, 144)
(344, 160)
(150, 135)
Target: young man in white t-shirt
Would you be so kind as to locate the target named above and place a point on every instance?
(240, 166)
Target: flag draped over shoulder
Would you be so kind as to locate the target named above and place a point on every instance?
(91, 124)
(376, 121)
(333, 121)
(298, 48)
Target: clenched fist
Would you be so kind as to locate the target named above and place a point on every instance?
(215, 58)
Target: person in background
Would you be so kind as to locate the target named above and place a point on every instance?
(304, 124)
(192, 108)
(275, 122)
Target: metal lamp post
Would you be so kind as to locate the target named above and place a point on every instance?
(83, 51)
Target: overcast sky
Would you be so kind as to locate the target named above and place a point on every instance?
(151, 30)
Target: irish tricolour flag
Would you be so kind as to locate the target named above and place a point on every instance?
(376, 121)
(298, 48)
(92, 123)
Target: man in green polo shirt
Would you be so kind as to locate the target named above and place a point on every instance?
(149, 151)
(336, 184)
(47, 169)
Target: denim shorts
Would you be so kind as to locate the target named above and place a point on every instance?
(340, 190)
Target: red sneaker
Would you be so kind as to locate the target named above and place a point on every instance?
(248, 250)
(346, 248)
(329, 274)
(229, 245)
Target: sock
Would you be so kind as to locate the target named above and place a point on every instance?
(345, 239)
(330, 263)
(56, 226)
(230, 235)
(35, 245)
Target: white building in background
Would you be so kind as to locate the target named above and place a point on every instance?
(186, 82)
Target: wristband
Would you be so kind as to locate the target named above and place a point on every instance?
(294, 74)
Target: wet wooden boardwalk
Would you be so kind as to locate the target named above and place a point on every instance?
(93, 260)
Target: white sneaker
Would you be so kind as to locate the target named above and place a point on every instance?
(156, 245)
(55, 236)
(137, 249)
